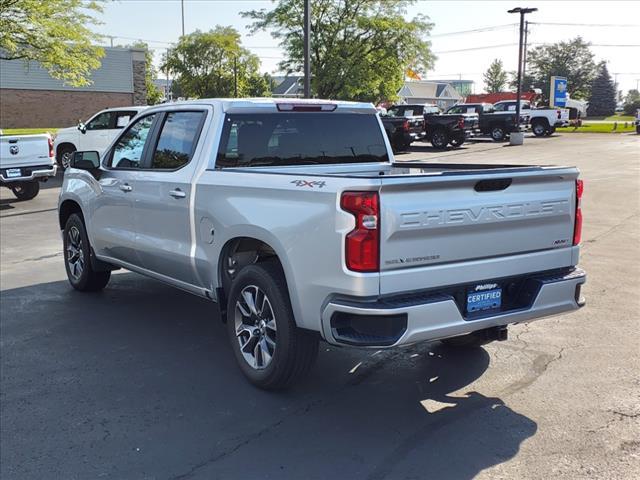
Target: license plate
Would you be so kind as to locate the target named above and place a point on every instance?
(13, 172)
(484, 300)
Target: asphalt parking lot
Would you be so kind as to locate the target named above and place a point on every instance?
(138, 382)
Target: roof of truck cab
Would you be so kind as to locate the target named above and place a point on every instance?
(270, 104)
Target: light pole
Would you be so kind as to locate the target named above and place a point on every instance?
(307, 65)
(182, 7)
(522, 12)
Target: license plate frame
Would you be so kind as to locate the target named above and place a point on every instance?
(13, 172)
(484, 300)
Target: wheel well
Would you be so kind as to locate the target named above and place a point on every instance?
(240, 252)
(62, 145)
(68, 208)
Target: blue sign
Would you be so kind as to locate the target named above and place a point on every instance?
(558, 94)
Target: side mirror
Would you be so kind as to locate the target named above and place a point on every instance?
(82, 127)
(85, 160)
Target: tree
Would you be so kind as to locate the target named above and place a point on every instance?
(153, 92)
(572, 59)
(360, 49)
(631, 102)
(54, 33)
(205, 62)
(495, 78)
(603, 94)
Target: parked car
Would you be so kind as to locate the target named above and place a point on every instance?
(449, 129)
(404, 124)
(94, 134)
(544, 121)
(25, 161)
(292, 217)
(498, 125)
(637, 122)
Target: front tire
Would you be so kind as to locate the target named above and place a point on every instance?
(270, 349)
(77, 258)
(65, 152)
(26, 190)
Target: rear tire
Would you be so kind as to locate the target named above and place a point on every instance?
(270, 349)
(497, 133)
(539, 129)
(26, 190)
(440, 139)
(77, 258)
(638, 129)
(457, 141)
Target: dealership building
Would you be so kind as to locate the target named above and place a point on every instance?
(31, 98)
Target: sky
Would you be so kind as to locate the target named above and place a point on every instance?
(603, 23)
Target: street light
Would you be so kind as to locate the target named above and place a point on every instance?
(522, 12)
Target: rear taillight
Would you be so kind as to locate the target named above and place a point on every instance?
(362, 244)
(405, 125)
(577, 229)
(51, 153)
(461, 123)
(559, 114)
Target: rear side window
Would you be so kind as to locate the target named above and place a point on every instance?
(123, 118)
(300, 138)
(177, 140)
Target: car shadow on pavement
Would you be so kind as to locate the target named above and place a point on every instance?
(139, 381)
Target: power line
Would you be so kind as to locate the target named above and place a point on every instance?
(486, 47)
(475, 30)
(623, 25)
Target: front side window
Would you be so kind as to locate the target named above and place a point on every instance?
(177, 140)
(100, 122)
(297, 138)
(128, 150)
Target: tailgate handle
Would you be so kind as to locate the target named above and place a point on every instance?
(492, 185)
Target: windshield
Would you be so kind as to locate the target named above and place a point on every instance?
(293, 138)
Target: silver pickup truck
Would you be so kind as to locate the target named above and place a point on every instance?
(293, 217)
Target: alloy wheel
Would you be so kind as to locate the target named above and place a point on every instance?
(75, 254)
(255, 327)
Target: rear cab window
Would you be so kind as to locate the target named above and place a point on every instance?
(300, 138)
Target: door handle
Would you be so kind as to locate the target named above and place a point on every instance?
(177, 193)
(125, 187)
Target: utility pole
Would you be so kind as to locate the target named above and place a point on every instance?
(182, 5)
(522, 12)
(235, 76)
(524, 53)
(307, 65)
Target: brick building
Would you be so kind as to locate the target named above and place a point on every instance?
(31, 98)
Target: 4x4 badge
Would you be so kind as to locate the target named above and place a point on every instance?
(310, 184)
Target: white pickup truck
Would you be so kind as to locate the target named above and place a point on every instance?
(544, 121)
(25, 161)
(293, 217)
(94, 134)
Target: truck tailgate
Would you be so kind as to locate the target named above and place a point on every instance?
(24, 150)
(447, 219)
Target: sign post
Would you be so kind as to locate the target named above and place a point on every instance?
(558, 92)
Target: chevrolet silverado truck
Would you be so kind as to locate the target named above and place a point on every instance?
(292, 216)
(498, 125)
(25, 161)
(544, 121)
